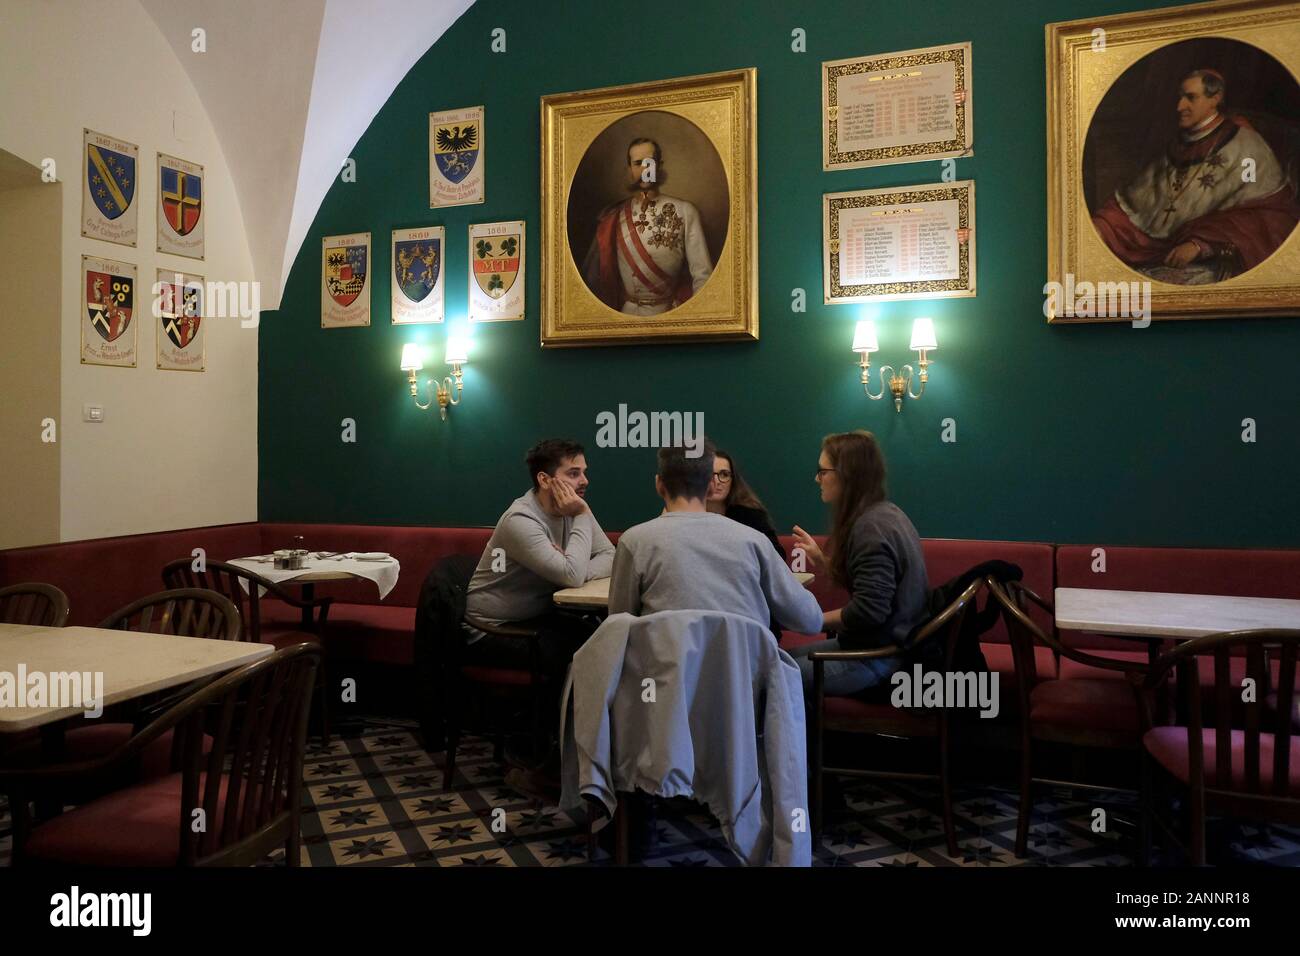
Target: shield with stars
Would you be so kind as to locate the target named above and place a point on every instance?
(111, 178)
(109, 302)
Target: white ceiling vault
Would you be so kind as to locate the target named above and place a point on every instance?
(289, 87)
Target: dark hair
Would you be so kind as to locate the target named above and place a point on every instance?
(686, 477)
(1211, 82)
(660, 176)
(659, 156)
(860, 466)
(547, 455)
(739, 493)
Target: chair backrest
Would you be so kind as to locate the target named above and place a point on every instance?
(185, 612)
(40, 604)
(1263, 723)
(1016, 600)
(243, 588)
(945, 628)
(439, 642)
(249, 783)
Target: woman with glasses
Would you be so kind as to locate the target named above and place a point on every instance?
(730, 495)
(874, 553)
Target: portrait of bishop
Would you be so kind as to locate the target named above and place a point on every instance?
(1215, 204)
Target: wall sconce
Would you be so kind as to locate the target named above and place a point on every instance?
(923, 340)
(457, 355)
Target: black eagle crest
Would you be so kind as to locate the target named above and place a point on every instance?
(455, 140)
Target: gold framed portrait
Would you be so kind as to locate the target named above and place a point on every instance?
(1173, 161)
(649, 212)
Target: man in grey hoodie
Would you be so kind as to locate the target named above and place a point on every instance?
(547, 539)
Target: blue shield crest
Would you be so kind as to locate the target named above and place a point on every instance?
(111, 177)
(456, 150)
(416, 264)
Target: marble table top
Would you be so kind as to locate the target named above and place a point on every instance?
(1161, 614)
(132, 664)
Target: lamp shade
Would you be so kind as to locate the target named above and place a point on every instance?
(411, 359)
(457, 349)
(923, 334)
(864, 337)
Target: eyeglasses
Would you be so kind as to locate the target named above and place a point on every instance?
(822, 471)
(722, 476)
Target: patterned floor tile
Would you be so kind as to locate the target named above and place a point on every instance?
(322, 795)
(374, 797)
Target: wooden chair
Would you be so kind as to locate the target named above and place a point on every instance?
(1075, 712)
(858, 716)
(186, 612)
(495, 683)
(1250, 772)
(246, 590)
(243, 771)
(446, 677)
(42, 605)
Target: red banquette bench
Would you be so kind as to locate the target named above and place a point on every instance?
(101, 575)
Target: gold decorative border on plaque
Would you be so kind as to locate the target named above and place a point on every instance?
(1076, 84)
(832, 70)
(963, 285)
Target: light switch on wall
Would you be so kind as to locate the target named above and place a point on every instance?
(92, 413)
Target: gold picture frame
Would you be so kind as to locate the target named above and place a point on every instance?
(706, 125)
(1099, 230)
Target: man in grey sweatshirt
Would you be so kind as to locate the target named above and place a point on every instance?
(548, 539)
(691, 559)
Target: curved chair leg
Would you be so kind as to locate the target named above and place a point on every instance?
(816, 758)
(621, 831)
(1145, 796)
(323, 688)
(20, 824)
(1196, 820)
(1026, 799)
(945, 785)
(449, 764)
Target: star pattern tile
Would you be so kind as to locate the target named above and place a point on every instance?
(374, 797)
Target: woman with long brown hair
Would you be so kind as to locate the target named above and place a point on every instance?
(874, 553)
(731, 495)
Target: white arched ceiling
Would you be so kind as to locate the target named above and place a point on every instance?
(289, 87)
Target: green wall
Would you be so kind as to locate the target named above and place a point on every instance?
(1068, 434)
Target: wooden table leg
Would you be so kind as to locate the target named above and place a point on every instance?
(308, 594)
(52, 751)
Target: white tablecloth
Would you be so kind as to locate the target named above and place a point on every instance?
(383, 573)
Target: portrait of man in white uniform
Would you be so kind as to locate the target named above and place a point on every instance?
(640, 233)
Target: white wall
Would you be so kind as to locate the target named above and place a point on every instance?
(176, 449)
(30, 362)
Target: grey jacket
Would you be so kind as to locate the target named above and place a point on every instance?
(701, 704)
(528, 538)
